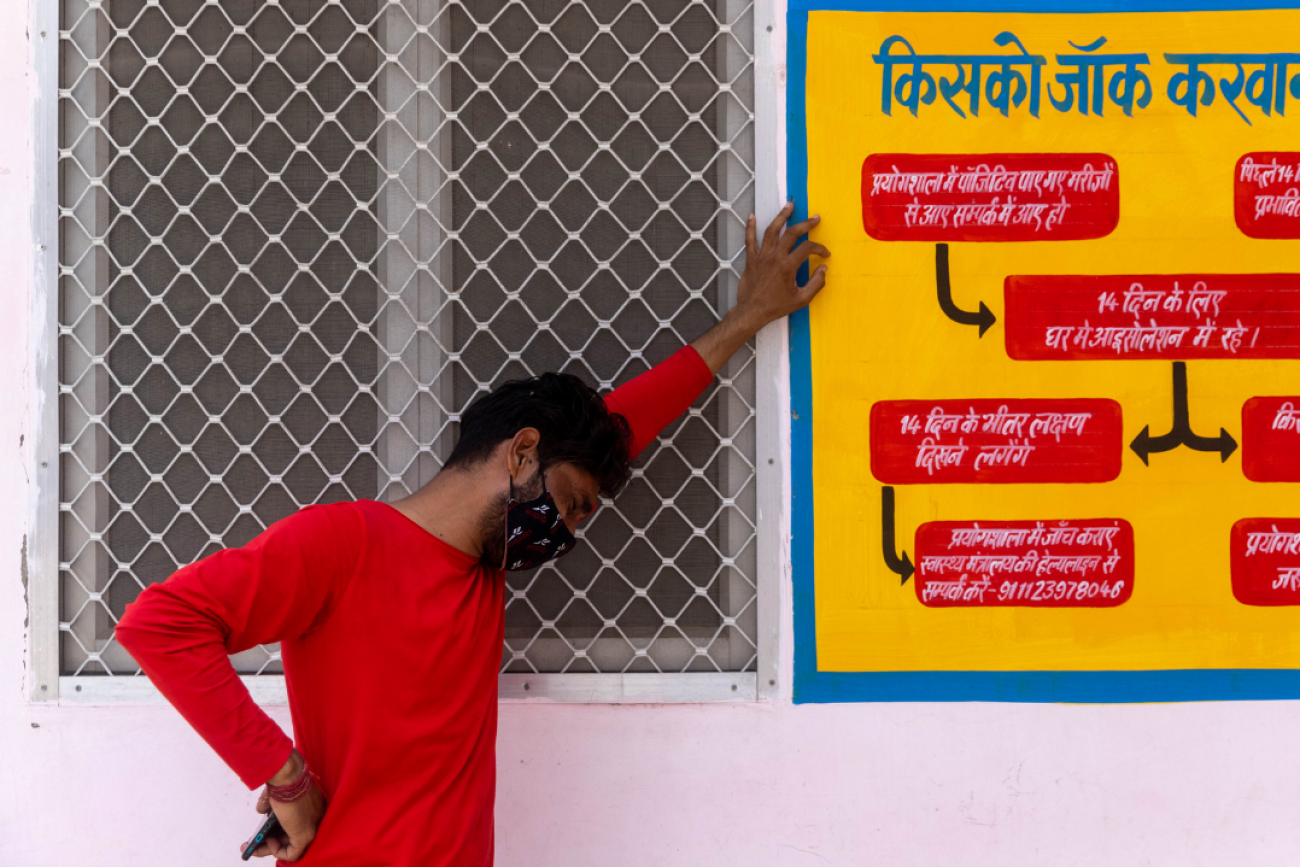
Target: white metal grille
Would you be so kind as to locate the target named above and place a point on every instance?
(298, 238)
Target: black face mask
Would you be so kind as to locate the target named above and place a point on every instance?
(535, 531)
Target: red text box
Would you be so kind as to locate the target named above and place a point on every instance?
(1173, 316)
(1270, 439)
(997, 441)
(1265, 556)
(1266, 194)
(1030, 564)
(989, 197)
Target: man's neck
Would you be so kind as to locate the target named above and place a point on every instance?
(449, 507)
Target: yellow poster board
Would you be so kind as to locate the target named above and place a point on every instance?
(883, 333)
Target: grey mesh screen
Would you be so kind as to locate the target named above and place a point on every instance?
(298, 238)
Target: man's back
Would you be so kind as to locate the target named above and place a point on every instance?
(394, 698)
(391, 678)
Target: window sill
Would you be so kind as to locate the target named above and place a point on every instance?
(268, 690)
(629, 688)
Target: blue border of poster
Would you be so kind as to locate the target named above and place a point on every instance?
(812, 685)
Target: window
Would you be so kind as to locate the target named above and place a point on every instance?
(296, 239)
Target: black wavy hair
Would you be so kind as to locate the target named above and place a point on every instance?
(575, 426)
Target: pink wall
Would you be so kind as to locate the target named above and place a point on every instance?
(721, 785)
(767, 784)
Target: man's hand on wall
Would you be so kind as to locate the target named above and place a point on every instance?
(768, 289)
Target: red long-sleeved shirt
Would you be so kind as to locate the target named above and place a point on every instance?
(391, 640)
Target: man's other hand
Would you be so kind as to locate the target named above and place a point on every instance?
(768, 289)
(298, 820)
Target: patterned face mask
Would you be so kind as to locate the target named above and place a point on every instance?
(535, 531)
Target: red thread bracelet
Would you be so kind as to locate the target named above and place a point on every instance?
(295, 791)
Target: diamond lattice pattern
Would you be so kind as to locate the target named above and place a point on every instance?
(297, 238)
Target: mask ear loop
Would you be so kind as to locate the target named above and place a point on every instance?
(505, 554)
(512, 484)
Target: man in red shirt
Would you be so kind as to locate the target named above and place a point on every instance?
(391, 618)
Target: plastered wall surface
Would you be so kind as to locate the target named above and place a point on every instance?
(764, 784)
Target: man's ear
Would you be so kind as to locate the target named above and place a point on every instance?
(522, 453)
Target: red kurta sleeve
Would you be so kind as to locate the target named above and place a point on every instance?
(279, 586)
(652, 400)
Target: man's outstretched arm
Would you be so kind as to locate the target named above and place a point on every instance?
(768, 291)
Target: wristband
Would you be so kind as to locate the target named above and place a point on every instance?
(295, 791)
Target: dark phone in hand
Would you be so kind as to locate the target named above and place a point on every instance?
(269, 827)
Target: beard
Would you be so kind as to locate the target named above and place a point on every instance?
(492, 533)
(492, 522)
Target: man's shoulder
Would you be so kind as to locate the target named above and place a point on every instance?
(343, 518)
(355, 516)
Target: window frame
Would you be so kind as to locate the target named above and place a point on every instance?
(40, 564)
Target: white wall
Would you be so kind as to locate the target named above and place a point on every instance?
(768, 784)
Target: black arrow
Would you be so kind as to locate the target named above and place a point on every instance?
(984, 318)
(1181, 432)
(899, 566)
